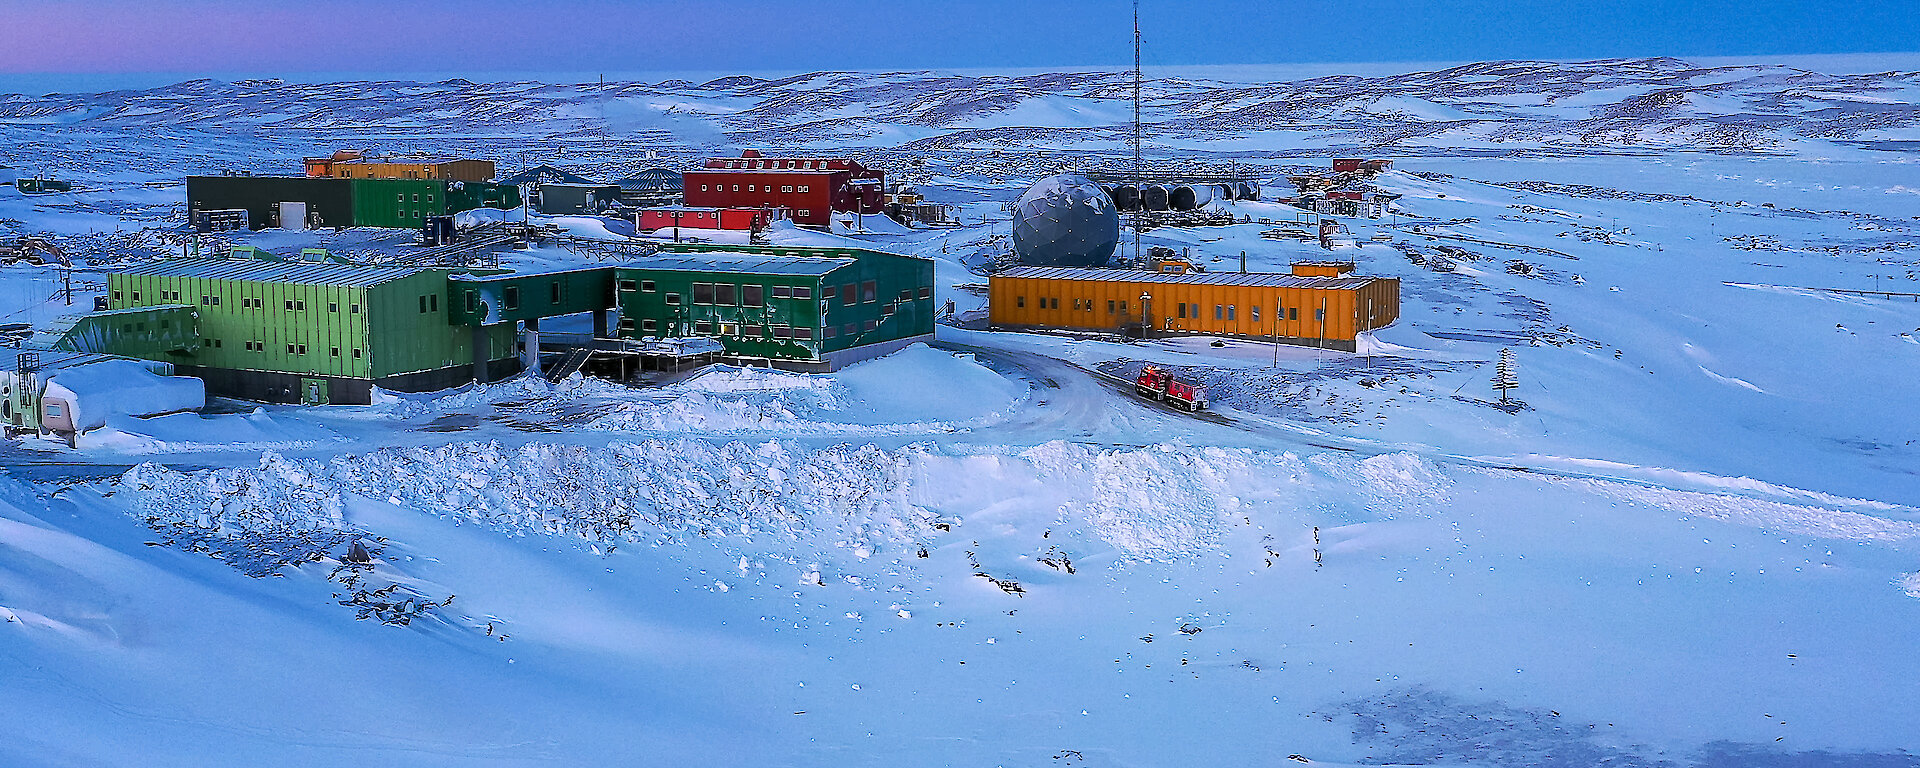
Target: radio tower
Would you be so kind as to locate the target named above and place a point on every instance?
(1138, 181)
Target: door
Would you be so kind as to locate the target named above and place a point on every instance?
(313, 392)
(293, 215)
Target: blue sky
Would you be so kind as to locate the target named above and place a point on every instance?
(289, 37)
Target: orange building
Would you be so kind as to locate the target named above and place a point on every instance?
(1325, 312)
(349, 164)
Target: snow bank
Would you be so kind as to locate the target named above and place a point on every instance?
(914, 391)
(182, 432)
(873, 224)
(97, 391)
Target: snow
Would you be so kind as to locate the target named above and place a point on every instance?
(96, 392)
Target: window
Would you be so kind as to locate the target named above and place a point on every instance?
(826, 292)
(433, 302)
(1109, 306)
(752, 296)
(752, 331)
(1183, 311)
(356, 353)
(726, 294)
(850, 329)
(703, 327)
(333, 306)
(1056, 302)
(872, 324)
(399, 197)
(926, 293)
(786, 188)
(849, 295)
(703, 187)
(782, 292)
(423, 305)
(1293, 313)
(673, 298)
(355, 309)
(289, 348)
(729, 329)
(510, 298)
(333, 352)
(628, 285)
(703, 293)
(781, 332)
(645, 325)
(736, 187)
(1020, 302)
(1219, 313)
(869, 291)
(802, 292)
(1196, 311)
(646, 286)
(1230, 312)
(806, 188)
(750, 188)
(906, 295)
(1320, 315)
(553, 290)
(829, 332)
(136, 295)
(1076, 305)
(1256, 313)
(1123, 307)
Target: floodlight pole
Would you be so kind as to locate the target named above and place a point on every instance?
(1138, 182)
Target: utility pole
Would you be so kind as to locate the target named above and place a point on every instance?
(1138, 182)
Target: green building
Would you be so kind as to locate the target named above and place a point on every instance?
(805, 308)
(257, 327)
(295, 331)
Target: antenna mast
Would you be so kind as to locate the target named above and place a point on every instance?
(1138, 182)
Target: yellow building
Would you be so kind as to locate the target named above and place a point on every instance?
(350, 165)
(1322, 311)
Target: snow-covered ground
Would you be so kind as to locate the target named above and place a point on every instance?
(1695, 543)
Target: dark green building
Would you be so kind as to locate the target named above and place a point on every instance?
(311, 202)
(804, 308)
(300, 332)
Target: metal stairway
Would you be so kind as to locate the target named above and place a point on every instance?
(574, 361)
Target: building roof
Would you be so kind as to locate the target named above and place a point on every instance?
(1257, 279)
(744, 263)
(545, 174)
(350, 275)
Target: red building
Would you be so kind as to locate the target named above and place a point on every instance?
(810, 188)
(689, 217)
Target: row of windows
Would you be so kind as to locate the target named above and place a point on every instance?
(724, 294)
(802, 164)
(246, 302)
(755, 188)
(1181, 310)
(401, 197)
(732, 329)
(292, 349)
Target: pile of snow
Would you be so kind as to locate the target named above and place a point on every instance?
(97, 391)
(869, 224)
(480, 216)
(595, 227)
(183, 432)
(914, 391)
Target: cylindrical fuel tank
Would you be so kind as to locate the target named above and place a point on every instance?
(1245, 191)
(1153, 197)
(1126, 197)
(1224, 192)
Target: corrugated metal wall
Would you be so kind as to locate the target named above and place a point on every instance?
(1234, 310)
